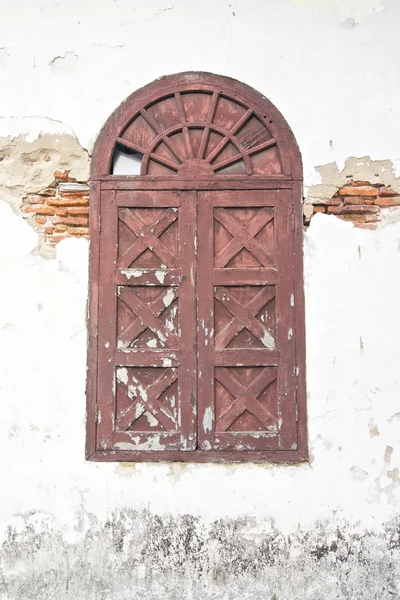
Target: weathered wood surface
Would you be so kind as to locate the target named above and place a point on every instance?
(196, 342)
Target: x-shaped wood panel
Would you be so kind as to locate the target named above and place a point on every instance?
(245, 397)
(244, 317)
(244, 237)
(147, 316)
(145, 398)
(147, 237)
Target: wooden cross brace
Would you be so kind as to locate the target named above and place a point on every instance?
(147, 317)
(145, 398)
(243, 237)
(147, 237)
(244, 316)
(245, 397)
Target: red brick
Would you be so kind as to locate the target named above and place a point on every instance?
(57, 238)
(61, 175)
(61, 212)
(358, 183)
(78, 231)
(354, 218)
(387, 191)
(326, 201)
(47, 192)
(366, 225)
(366, 190)
(356, 200)
(32, 199)
(334, 201)
(40, 220)
(68, 202)
(84, 210)
(387, 201)
(60, 228)
(74, 195)
(49, 230)
(318, 209)
(40, 210)
(78, 221)
(371, 218)
(357, 209)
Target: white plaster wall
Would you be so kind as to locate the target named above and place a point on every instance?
(331, 67)
(353, 328)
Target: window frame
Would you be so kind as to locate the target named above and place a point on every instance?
(103, 182)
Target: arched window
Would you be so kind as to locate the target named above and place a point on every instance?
(196, 345)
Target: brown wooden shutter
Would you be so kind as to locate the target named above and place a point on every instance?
(246, 321)
(196, 338)
(147, 322)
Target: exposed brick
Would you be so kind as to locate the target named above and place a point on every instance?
(60, 228)
(78, 221)
(334, 201)
(78, 210)
(354, 218)
(61, 212)
(57, 238)
(387, 201)
(61, 175)
(371, 218)
(49, 230)
(68, 202)
(360, 209)
(358, 183)
(387, 191)
(40, 220)
(47, 192)
(357, 200)
(78, 230)
(326, 201)
(334, 210)
(358, 191)
(32, 199)
(32, 208)
(366, 225)
(80, 194)
(321, 209)
(40, 210)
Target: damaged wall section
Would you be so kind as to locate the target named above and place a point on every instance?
(44, 176)
(365, 192)
(359, 202)
(60, 210)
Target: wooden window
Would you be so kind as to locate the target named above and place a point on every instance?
(196, 345)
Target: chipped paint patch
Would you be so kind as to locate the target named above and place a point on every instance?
(122, 375)
(135, 273)
(208, 419)
(160, 276)
(169, 297)
(268, 340)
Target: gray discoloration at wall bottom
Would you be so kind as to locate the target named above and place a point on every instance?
(135, 554)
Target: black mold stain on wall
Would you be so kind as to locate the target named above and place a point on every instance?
(136, 554)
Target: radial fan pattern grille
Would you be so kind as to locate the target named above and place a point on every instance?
(200, 132)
